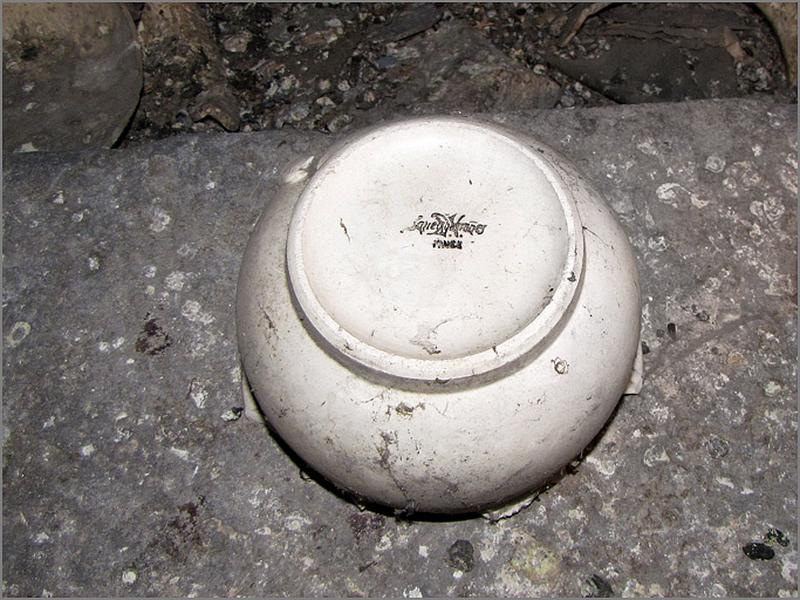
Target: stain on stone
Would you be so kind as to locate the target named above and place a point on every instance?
(603, 589)
(461, 555)
(190, 508)
(179, 537)
(364, 523)
(776, 536)
(758, 551)
(152, 340)
(717, 447)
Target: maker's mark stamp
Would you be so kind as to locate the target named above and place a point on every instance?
(452, 228)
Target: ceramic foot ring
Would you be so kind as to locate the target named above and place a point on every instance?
(438, 314)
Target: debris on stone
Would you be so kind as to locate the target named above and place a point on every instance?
(130, 576)
(184, 71)
(362, 524)
(776, 536)
(758, 551)
(232, 414)
(409, 22)
(213, 67)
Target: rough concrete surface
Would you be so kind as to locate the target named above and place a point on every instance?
(126, 471)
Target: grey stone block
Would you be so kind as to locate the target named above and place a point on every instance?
(126, 471)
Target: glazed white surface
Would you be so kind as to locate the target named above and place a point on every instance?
(434, 443)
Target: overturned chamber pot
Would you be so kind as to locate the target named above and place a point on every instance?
(438, 314)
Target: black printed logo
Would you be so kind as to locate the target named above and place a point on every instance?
(446, 226)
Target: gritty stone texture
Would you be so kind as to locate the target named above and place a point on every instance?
(138, 363)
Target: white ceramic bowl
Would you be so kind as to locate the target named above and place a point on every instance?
(438, 314)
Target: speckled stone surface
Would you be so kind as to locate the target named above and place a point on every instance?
(126, 471)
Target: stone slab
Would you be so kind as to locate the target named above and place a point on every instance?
(122, 476)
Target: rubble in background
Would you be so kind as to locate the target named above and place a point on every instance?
(332, 67)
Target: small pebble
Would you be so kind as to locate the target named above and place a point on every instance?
(87, 450)
(288, 83)
(338, 122)
(129, 576)
(233, 414)
(386, 62)
(324, 101)
(237, 42)
(772, 389)
(299, 112)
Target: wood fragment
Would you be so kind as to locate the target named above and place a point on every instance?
(577, 17)
(730, 41)
(162, 22)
